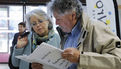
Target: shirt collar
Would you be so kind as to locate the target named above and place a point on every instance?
(77, 28)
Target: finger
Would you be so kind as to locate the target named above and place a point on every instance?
(66, 55)
(69, 53)
(67, 50)
(36, 66)
(24, 38)
(19, 37)
(68, 58)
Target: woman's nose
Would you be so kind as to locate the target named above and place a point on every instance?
(37, 24)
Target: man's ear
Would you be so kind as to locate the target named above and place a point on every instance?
(73, 15)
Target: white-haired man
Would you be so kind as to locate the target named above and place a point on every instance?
(90, 44)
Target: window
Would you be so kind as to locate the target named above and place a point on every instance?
(12, 15)
(9, 19)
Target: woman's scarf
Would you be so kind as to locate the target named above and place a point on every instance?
(37, 40)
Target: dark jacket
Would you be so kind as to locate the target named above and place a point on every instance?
(15, 39)
(14, 42)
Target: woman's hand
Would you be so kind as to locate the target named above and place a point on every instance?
(37, 66)
(71, 54)
(22, 42)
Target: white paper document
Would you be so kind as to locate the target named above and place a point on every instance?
(47, 55)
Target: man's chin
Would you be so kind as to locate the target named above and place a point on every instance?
(66, 31)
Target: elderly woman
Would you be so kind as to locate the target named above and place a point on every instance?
(41, 31)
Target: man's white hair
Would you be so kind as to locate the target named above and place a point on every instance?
(62, 6)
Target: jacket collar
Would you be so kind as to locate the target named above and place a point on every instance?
(84, 30)
(85, 19)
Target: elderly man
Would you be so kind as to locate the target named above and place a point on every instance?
(90, 44)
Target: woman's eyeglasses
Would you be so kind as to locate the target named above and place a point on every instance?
(38, 22)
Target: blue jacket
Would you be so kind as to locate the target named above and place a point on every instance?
(55, 41)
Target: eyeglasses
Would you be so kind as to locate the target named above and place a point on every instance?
(38, 22)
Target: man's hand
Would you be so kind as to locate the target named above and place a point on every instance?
(37, 66)
(71, 54)
(22, 42)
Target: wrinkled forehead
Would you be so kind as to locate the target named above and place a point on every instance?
(59, 11)
(59, 15)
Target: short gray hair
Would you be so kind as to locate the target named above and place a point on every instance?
(62, 6)
(38, 13)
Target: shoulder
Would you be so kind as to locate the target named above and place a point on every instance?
(55, 40)
(97, 23)
(90, 23)
(55, 37)
(16, 33)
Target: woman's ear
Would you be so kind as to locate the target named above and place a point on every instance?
(50, 26)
